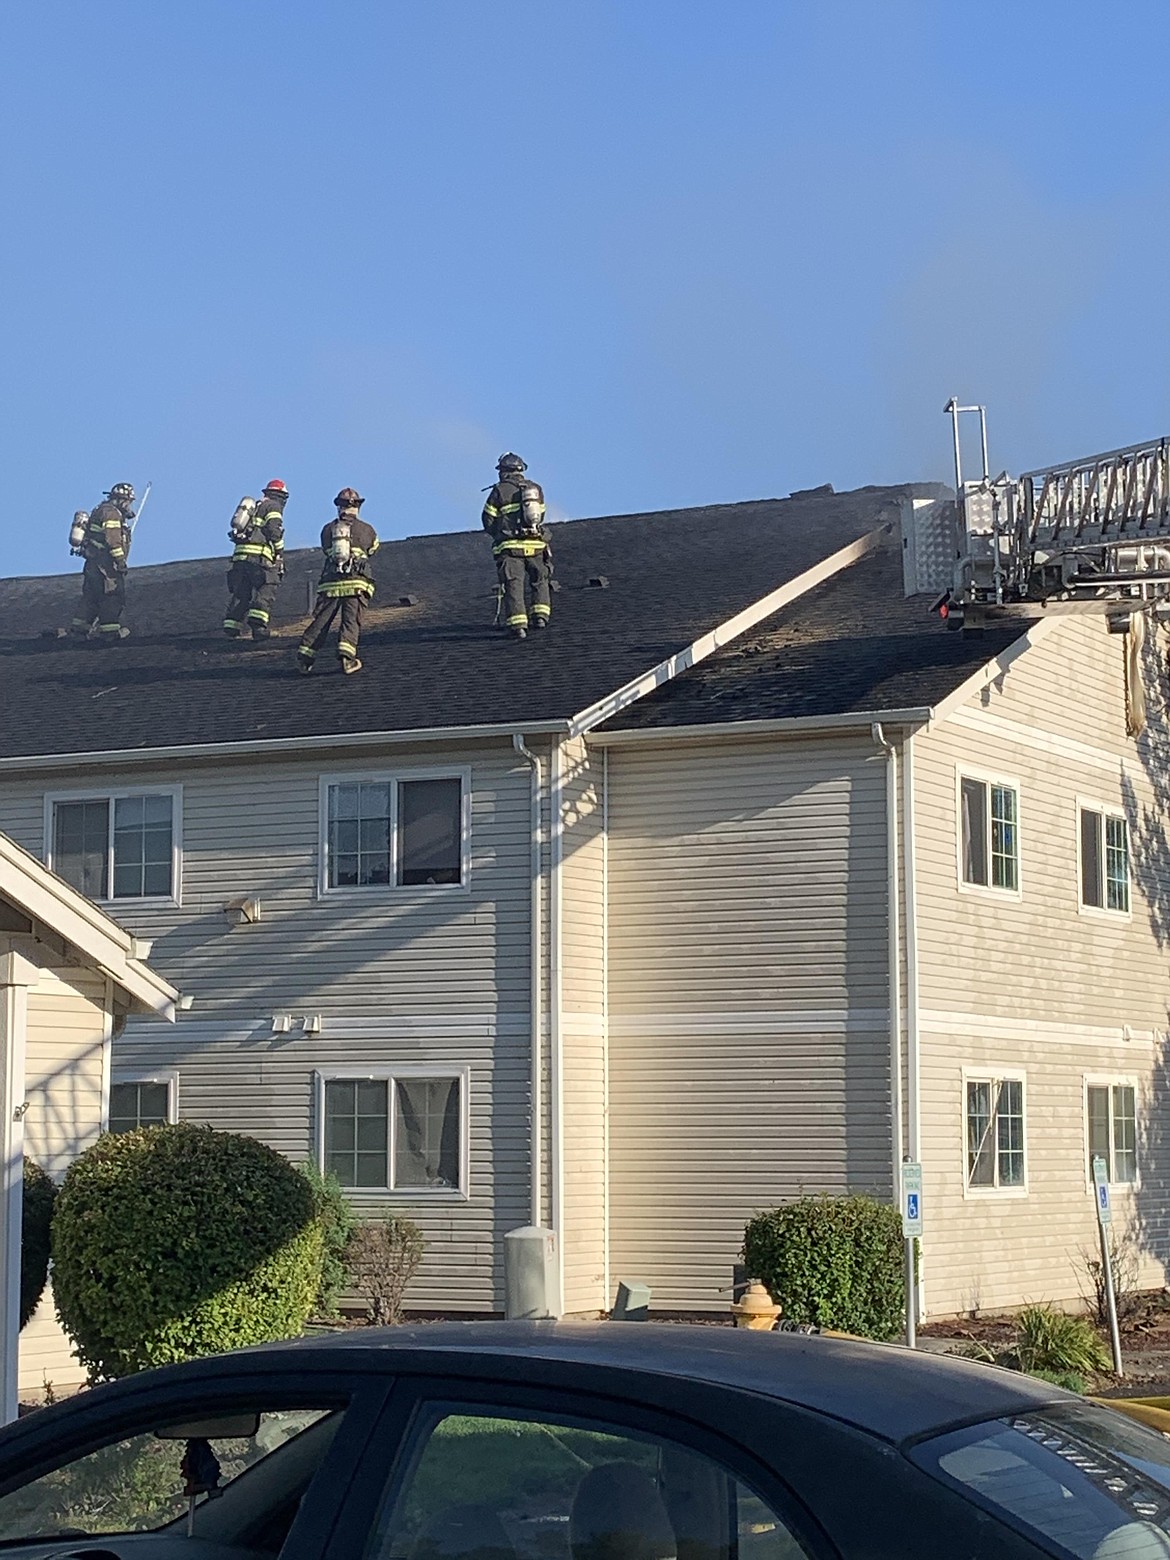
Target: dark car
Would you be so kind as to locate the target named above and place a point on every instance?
(512, 1441)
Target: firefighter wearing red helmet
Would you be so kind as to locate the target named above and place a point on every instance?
(346, 584)
(257, 565)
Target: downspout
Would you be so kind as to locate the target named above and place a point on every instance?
(893, 919)
(556, 1084)
(536, 1087)
(913, 1046)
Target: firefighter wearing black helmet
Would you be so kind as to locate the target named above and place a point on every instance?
(514, 518)
(346, 584)
(257, 565)
(105, 547)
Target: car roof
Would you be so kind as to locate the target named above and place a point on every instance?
(889, 1391)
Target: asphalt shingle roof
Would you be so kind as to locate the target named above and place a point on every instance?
(853, 643)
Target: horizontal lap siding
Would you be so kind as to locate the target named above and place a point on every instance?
(1033, 981)
(583, 1027)
(438, 979)
(64, 1087)
(748, 1009)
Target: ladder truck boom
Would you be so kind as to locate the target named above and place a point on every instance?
(1092, 535)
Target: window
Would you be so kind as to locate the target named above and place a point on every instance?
(401, 1133)
(116, 847)
(142, 1102)
(382, 831)
(1104, 860)
(530, 1486)
(995, 1132)
(1111, 1109)
(134, 1483)
(989, 818)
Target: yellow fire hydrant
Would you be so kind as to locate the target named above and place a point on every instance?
(757, 1309)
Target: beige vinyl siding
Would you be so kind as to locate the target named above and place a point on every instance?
(1072, 986)
(583, 1043)
(748, 995)
(65, 1081)
(988, 1250)
(438, 977)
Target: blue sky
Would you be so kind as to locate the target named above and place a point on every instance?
(673, 252)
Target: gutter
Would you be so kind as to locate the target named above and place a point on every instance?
(536, 1088)
(789, 725)
(332, 743)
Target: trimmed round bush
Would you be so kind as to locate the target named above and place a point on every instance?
(834, 1262)
(36, 1219)
(179, 1241)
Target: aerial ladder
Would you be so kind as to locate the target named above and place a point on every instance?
(1089, 536)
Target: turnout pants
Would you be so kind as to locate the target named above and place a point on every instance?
(349, 611)
(515, 571)
(103, 601)
(253, 590)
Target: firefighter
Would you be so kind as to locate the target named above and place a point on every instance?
(346, 584)
(105, 546)
(257, 565)
(514, 517)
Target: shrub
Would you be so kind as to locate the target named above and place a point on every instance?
(36, 1219)
(177, 1241)
(1050, 1343)
(1124, 1260)
(338, 1222)
(384, 1255)
(834, 1262)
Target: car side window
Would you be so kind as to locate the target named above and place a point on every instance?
(487, 1487)
(226, 1479)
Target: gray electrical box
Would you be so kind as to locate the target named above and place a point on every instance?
(530, 1273)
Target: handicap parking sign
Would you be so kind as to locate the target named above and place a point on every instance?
(911, 1200)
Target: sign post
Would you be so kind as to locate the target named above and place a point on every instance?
(1104, 1220)
(911, 1197)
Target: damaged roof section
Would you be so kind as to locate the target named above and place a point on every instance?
(432, 658)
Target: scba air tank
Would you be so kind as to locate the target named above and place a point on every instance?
(78, 529)
(242, 519)
(340, 546)
(531, 508)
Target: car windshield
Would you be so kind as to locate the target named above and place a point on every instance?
(1080, 1480)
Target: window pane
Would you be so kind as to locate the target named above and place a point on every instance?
(81, 845)
(1124, 1134)
(1091, 858)
(973, 805)
(1098, 1126)
(426, 1150)
(430, 830)
(142, 834)
(358, 846)
(134, 1105)
(481, 1487)
(1005, 845)
(980, 1159)
(1009, 1126)
(356, 1130)
(1117, 864)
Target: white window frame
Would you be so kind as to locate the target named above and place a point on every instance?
(421, 1194)
(166, 1075)
(989, 779)
(993, 1075)
(1112, 1081)
(1102, 912)
(110, 795)
(393, 778)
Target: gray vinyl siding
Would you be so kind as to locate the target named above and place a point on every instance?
(405, 976)
(748, 971)
(1036, 984)
(582, 1017)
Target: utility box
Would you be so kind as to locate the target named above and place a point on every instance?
(530, 1274)
(632, 1303)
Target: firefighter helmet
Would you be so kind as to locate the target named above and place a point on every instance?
(121, 493)
(510, 462)
(276, 486)
(349, 499)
